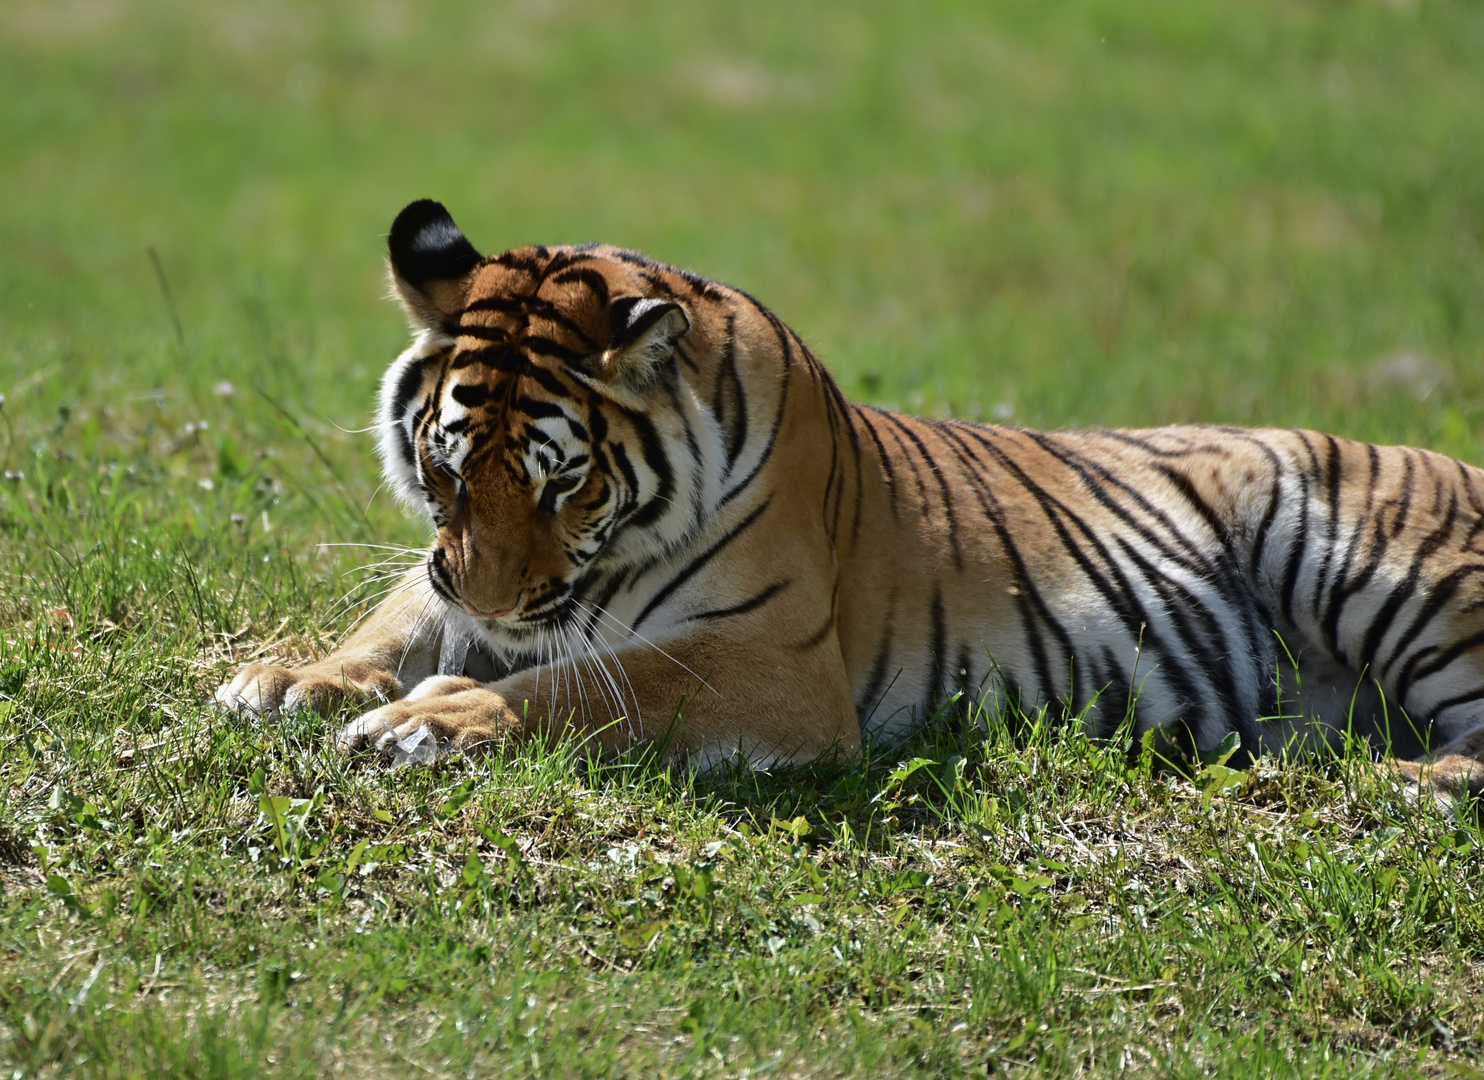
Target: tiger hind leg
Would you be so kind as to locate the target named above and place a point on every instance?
(1452, 772)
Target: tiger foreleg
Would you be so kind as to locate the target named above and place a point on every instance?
(703, 700)
(394, 648)
(440, 715)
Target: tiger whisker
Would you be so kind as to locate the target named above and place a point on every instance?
(576, 670)
(592, 634)
(640, 637)
(395, 564)
(581, 662)
(359, 595)
(356, 596)
(379, 489)
(417, 625)
(542, 663)
(575, 675)
(379, 547)
(382, 570)
(618, 663)
(607, 686)
(621, 701)
(613, 653)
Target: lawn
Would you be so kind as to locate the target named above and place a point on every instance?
(1087, 213)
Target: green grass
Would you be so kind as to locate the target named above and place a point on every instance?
(1073, 214)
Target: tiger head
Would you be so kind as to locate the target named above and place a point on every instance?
(532, 421)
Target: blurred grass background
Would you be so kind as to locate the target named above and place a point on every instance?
(1090, 213)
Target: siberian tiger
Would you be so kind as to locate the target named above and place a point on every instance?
(657, 516)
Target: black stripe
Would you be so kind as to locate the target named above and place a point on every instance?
(503, 303)
(1232, 587)
(471, 395)
(886, 466)
(1404, 591)
(1028, 597)
(924, 505)
(544, 346)
(427, 418)
(551, 382)
(584, 275)
(1275, 498)
(684, 353)
(847, 417)
(1297, 546)
(1186, 487)
(1116, 590)
(1199, 629)
(1145, 445)
(1458, 699)
(948, 508)
(1097, 479)
(439, 576)
(516, 261)
(1346, 584)
(694, 566)
(876, 679)
(1404, 504)
(1466, 477)
(407, 388)
(659, 464)
(499, 357)
(633, 258)
(1443, 657)
(788, 363)
(936, 647)
(626, 470)
(731, 415)
(1332, 527)
(1071, 459)
(409, 385)
(551, 313)
(833, 529)
(750, 604)
(818, 637)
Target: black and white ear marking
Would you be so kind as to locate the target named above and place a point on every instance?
(644, 333)
(430, 261)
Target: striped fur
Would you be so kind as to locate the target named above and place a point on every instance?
(657, 515)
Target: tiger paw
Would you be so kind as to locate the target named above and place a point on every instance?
(1447, 778)
(441, 716)
(268, 691)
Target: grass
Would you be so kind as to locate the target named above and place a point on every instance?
(1086, 213)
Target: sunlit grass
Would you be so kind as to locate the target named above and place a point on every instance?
(1095, 213)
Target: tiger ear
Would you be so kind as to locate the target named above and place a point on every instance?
(430, 262)
(643, 336)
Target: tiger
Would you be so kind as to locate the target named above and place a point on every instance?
(656, 517)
